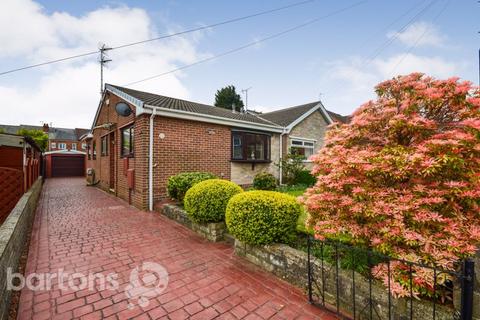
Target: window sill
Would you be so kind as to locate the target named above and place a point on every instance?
(251, 161)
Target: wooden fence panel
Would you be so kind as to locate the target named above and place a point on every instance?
(11, 190)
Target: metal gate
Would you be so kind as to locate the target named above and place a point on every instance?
(341, 278)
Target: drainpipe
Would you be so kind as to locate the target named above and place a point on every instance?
(280, 179)
(150, 163)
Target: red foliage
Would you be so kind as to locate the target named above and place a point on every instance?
(403, 177)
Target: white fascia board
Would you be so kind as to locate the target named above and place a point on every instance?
(300, 138)
(318, 106)
(180, 114)
(134, 101)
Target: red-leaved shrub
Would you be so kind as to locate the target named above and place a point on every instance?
(403, 177)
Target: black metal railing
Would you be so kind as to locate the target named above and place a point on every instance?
(341, 278)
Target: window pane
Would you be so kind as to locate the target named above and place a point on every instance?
(308, 144)
(296, 142)
(308, 152)
(260, 148)
(125, 142)
(237, 147)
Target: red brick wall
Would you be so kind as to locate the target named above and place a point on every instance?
(101, 164)
(188, 146)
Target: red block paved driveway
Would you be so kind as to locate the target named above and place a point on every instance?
(82, 229)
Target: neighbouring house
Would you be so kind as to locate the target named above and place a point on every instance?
(58, 138)
(139, 139)
(20, 166)
(65, 153)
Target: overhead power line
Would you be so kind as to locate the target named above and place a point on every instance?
(251, 44)
(420, 37)
(261, 13)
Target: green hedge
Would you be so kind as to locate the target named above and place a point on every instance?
(306, 178)
(179, 184)
(207, 200)
(264, 181)
(262, 217)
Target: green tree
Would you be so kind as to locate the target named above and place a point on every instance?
(228, 97)
(2, 130)
(40, 137)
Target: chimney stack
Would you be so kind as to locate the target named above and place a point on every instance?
(45, 127)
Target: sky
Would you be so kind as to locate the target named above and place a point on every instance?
(338, 59)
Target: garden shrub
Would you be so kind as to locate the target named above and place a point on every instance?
(179, 184)
(262, 217)
(264, 181)
(206, 201)
(403, 178)
(304, 177)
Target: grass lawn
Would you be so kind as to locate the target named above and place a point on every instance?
(297, 191)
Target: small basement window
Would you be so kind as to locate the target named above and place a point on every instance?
(304, 148)
(250, 147)
(128, 135)
(104, 146)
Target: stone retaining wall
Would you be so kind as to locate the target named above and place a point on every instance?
(13, 234)
(291, 265)
(212, 231)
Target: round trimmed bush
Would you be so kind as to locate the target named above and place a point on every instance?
(179, 184)
(262, 217)
(206, 201)
(264, 181)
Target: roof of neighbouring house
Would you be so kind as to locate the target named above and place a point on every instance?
(8, 138)
(189, 106)
(287, 116)
(53, 132)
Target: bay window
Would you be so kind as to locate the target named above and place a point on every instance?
(250, 146)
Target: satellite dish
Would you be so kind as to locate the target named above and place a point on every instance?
(123, 109)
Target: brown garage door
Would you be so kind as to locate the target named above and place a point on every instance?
(68, 166)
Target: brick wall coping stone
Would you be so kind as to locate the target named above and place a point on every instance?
(13, 234)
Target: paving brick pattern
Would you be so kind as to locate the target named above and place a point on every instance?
(82, 229)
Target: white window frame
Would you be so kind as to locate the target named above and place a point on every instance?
(74, 146)
(303, 143)
(53, 145)
(62, 146)
(84, 146)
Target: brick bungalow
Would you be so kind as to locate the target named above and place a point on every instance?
(181, 136)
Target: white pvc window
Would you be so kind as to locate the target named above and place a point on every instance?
(74, 146)
(84, 146)
(62, 146)
(53, 145)
(304, 148)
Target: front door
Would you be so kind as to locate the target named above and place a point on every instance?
(112, 153)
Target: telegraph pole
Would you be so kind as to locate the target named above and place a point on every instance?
(246, 97)
(103, 61)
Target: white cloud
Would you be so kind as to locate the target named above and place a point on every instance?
(357, 80)
(67, 93)
(419, 34)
